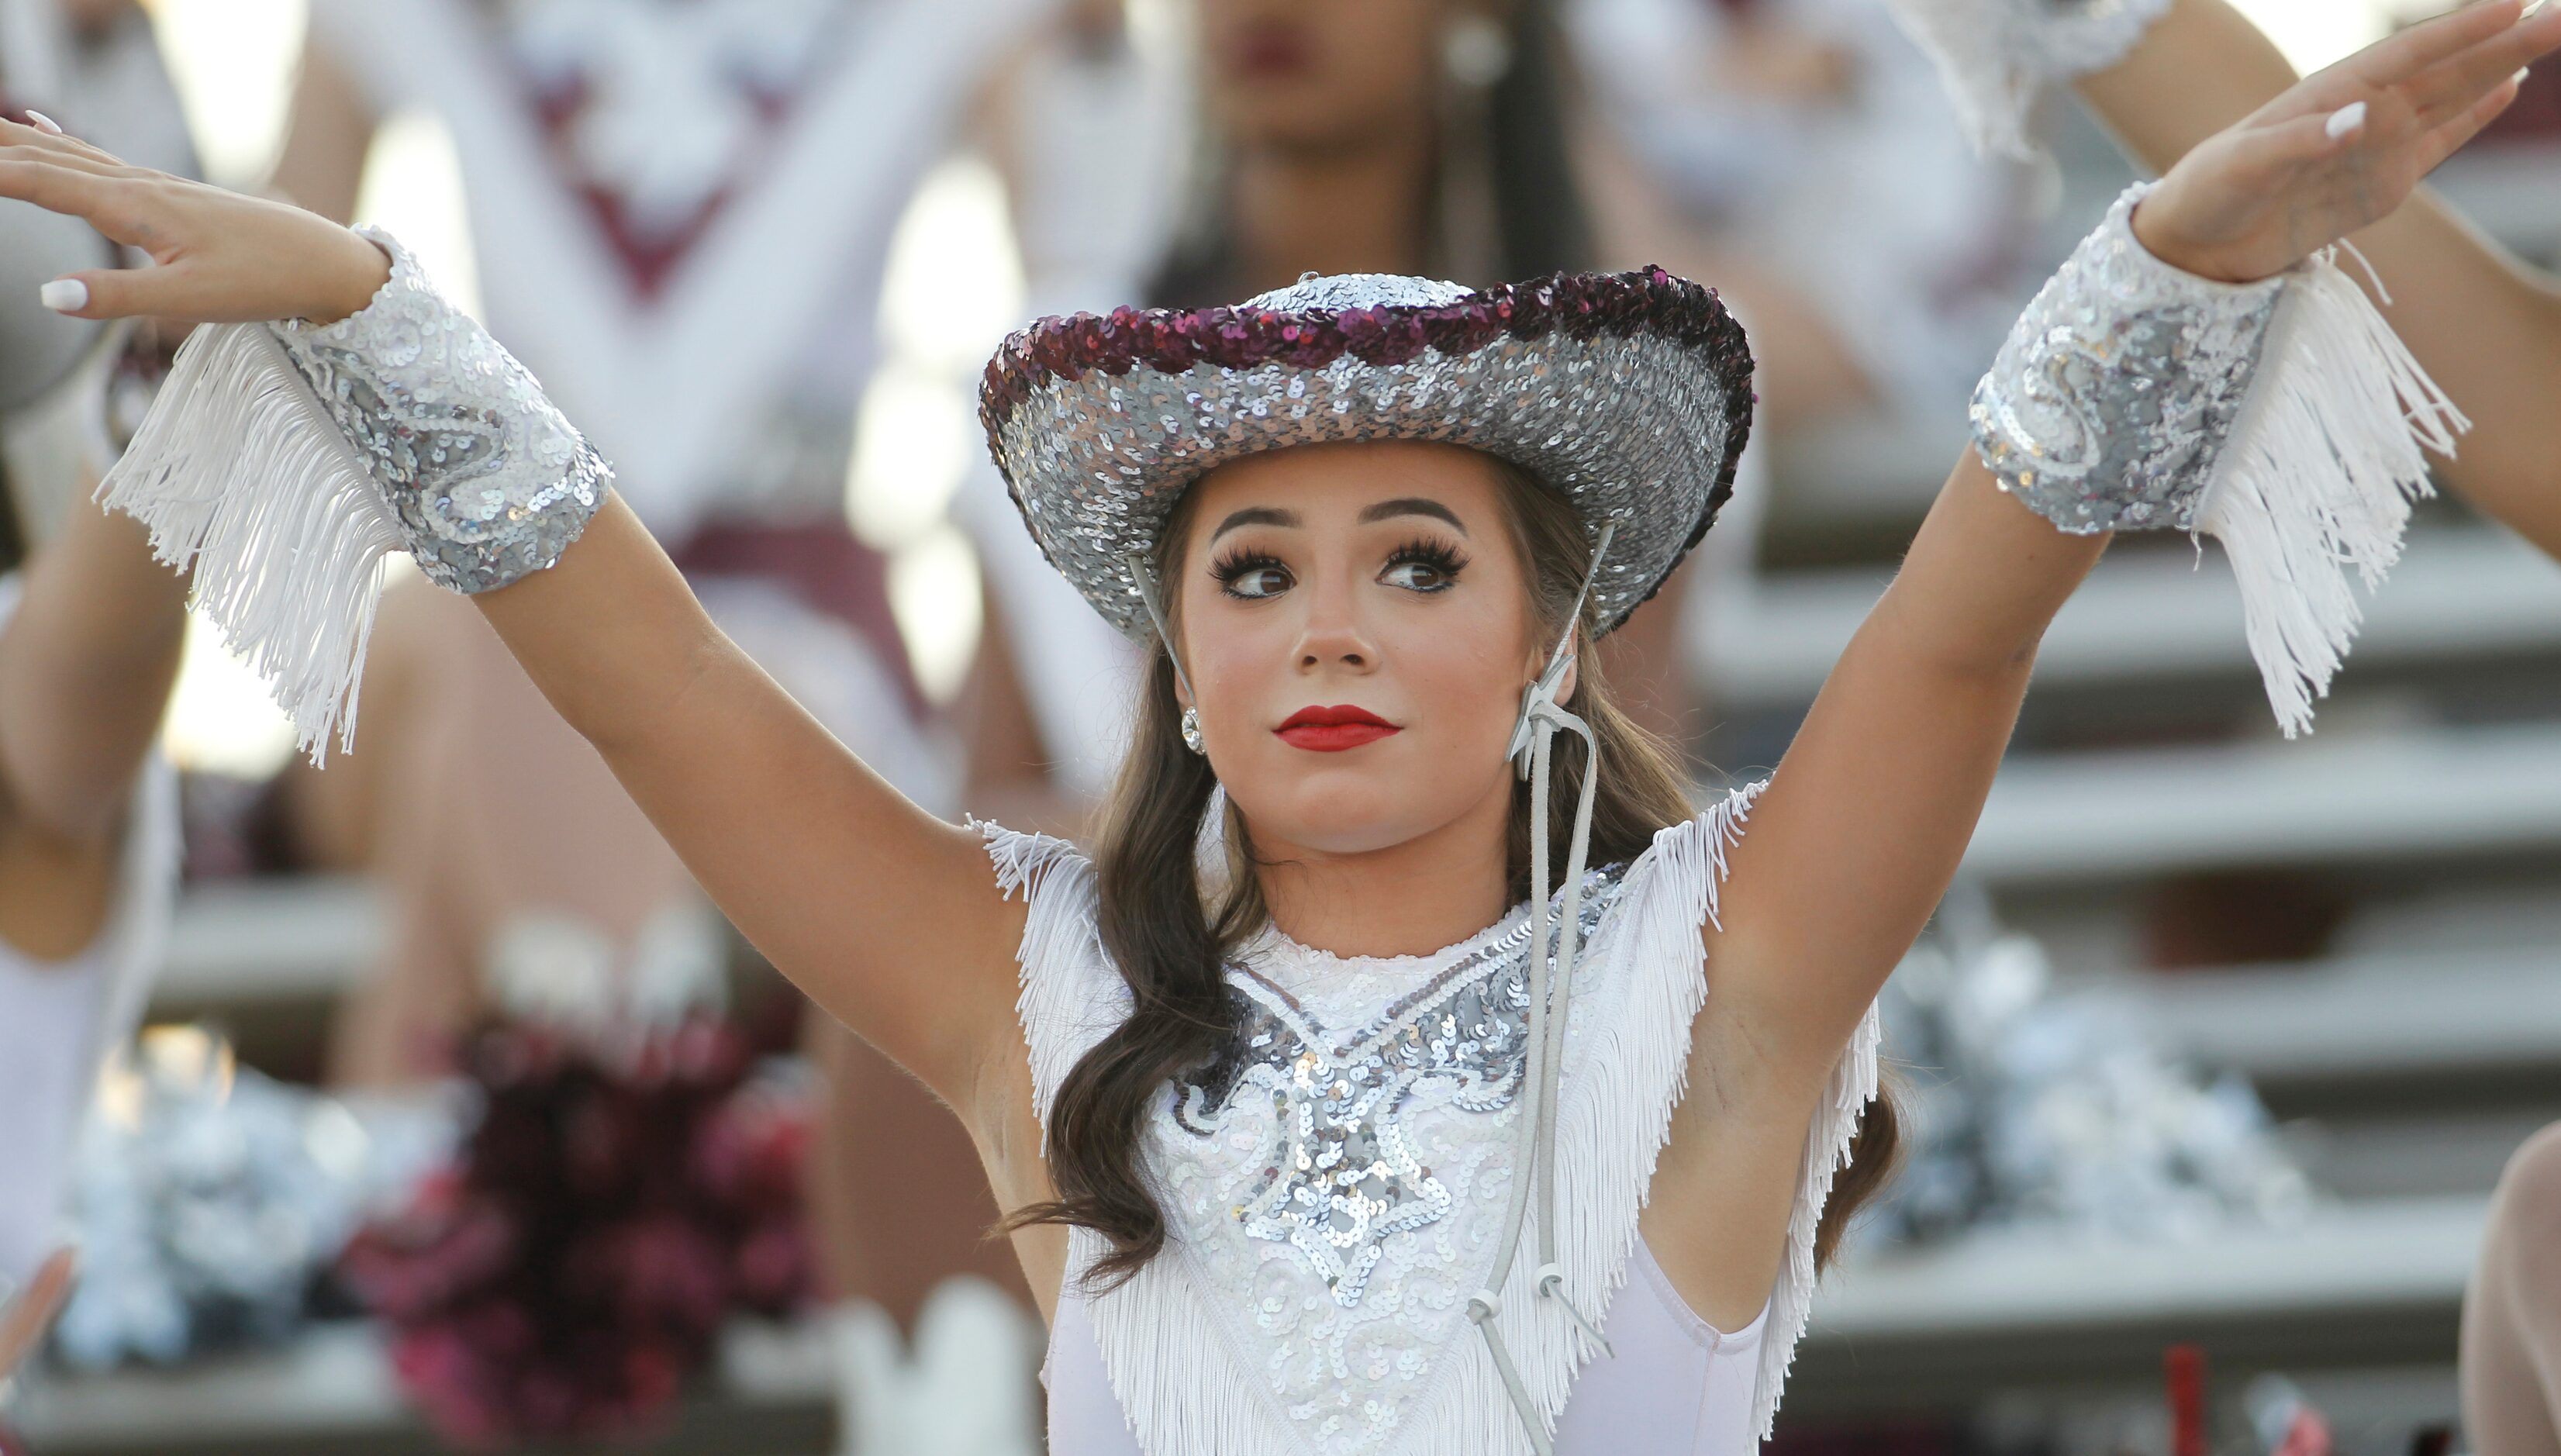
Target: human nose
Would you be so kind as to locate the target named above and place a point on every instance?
(1332, 635)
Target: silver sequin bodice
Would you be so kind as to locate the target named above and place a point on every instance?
(1347, 1159)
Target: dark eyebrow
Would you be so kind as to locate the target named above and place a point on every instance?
(1256, 516)
(1412, 505)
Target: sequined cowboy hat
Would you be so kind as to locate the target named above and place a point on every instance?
(1630, 392)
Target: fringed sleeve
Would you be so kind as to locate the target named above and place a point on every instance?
(281, 464)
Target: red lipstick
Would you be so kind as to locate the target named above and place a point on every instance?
(1333, 730)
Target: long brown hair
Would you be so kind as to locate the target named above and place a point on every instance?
(1171, 943)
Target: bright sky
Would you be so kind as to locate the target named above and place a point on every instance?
(233, 64)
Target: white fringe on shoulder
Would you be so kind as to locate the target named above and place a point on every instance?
(2320, 475)
(239, 474)
(1996, 56)
(1071, 998)
(1180, 1380)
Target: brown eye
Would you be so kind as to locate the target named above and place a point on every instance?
(1423, 567)
(1258, 581)
(1416, 577)
(1252, 576)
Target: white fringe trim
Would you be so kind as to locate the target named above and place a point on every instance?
(1827, 1143)
(239, 475)
(2319, 476)
(1165, 1341)
(1071, 998)
(1996, 56)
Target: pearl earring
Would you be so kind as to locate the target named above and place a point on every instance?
(1192, 733)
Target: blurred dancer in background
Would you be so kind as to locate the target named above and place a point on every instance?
(1802, 150)
(97, 64)
(635, 175)
(91, 629)
(2163, 76)
(89, 650)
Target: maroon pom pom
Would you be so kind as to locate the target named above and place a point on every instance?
(566, 1277)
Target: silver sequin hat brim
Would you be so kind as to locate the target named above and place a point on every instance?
(1630, 392)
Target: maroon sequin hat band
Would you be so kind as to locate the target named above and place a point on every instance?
(1171, 341)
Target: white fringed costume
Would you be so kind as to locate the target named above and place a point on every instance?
(1334, 1194)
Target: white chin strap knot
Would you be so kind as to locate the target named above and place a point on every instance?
(1551, 986)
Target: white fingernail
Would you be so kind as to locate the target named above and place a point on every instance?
(2522, 73)
(64, 296)
(43, 122)
(2346, 120)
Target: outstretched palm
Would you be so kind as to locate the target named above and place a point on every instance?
(2345, 147)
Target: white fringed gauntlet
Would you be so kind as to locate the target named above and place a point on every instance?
(2282, 417)
(283, 461)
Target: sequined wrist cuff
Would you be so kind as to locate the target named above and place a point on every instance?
(2121, 387)
(488, 480)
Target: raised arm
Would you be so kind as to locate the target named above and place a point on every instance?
(887, 916)
(2136, 393)
(331, 132)
(2165, 75)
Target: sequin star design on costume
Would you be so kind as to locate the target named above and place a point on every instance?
(1344, 1175)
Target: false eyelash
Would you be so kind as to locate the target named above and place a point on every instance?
(1440, 555)
(1240, 559)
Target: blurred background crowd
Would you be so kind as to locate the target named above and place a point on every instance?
(457, 1118)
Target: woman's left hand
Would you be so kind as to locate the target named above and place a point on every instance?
(2343, 148)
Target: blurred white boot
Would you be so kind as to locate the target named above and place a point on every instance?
(977, 1362)
(871, 1380)
(966, 1389)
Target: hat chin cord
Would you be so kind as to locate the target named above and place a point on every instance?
(1534, 1161)
(1531, 751)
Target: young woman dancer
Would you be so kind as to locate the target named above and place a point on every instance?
(1315, 1145)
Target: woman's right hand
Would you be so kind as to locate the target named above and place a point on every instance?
(216, 257)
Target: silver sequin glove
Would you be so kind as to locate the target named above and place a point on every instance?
(2119, 385)
(488, 480)
(2282, 417)
(1996, 56)
(281, 462)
